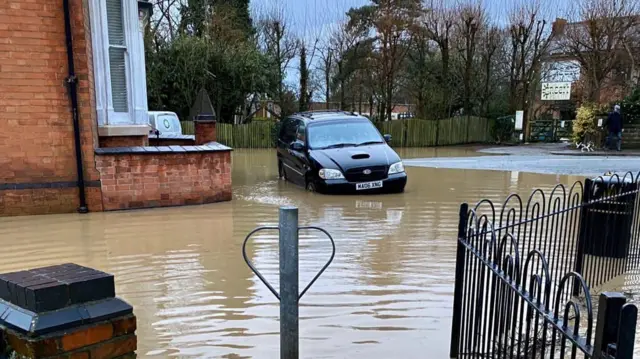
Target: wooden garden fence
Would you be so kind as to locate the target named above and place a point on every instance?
(404, 133)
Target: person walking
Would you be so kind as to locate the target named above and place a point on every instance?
(614, 126)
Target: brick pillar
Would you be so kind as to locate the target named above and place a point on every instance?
(205, 131)
(65, 311)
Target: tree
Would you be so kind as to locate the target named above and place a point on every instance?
(326, 67)
(470, 23)
(439, 24)
(345, 45)
(391, 20)
(383, 53)
(420, 70)
(306, 59)
(280, 47)
(211, 50)
(600, 40)
(305, 95)
(492, 46)
(529, 42)
(196, 14)
(166, 22)
(242, 14)
(193, 17)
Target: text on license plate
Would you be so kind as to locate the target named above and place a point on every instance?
(368, 185)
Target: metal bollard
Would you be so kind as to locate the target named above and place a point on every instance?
(288, 282)
(289, 271)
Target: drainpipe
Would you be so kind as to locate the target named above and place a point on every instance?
(72, 82)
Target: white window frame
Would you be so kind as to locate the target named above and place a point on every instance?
(134, 62)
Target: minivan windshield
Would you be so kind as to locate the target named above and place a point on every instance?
(343, 134)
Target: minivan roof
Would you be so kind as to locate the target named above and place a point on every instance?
(161, 112)
(328, 115)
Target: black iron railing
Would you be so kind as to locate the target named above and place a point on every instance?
(592, 227)
(524, 273)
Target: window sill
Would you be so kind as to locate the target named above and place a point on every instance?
(125, 130)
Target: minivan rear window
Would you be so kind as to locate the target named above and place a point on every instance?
(288, 132)
(347, 133)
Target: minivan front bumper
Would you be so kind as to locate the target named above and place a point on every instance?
(394, 183)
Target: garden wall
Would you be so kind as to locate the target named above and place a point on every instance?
(631, 136)
(145, 177)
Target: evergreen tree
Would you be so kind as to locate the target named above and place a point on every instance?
(304, 79)
(242, 14)
(197, 13)
(193, 17)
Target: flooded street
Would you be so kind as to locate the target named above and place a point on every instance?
(388, 293)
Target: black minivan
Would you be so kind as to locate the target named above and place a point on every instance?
(338, 152)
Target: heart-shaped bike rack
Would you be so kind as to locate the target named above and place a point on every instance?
(261, 277)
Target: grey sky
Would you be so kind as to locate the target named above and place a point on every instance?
(313, 19)
(315, 12)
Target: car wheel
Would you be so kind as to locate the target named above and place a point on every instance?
(311, 187)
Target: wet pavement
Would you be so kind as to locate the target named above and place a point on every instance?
(562, 149)
(388, 293)
(543, 159)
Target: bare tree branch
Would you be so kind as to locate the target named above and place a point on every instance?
(598, 40)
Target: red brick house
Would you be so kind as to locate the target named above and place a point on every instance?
(560, 66)
(73, 115)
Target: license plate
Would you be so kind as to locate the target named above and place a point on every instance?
(368, 185)
(368, 205)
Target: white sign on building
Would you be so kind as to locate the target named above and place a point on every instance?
(561, 71)
(556, 91)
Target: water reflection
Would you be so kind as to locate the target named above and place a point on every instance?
(387, 295)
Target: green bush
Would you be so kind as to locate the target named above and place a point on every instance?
(275, 131)
(585, 123)
(630, 107)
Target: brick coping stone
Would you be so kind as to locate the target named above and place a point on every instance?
(42, 300)
(139, 150)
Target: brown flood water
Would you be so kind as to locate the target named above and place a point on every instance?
(388, 293)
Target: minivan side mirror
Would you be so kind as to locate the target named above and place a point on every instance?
(387, 138)
(297, 146)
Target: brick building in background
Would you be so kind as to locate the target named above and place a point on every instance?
(561, 66)
(89, 64)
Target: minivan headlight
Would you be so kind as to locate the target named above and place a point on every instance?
(329, 174)
(397, 167)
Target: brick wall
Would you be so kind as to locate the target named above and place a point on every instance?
(124, 141)
(110, 339)
(164, 179)
(64, 311)
(631, 137)
(38, 201)
(170, 142)
(36, 130)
